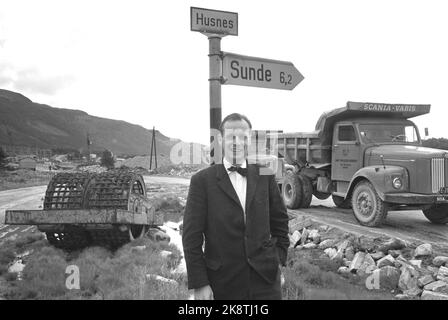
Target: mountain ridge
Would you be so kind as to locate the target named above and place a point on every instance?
(27, 123)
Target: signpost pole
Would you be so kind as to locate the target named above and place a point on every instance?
(215, 97)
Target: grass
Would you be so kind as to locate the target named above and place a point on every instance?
(103, 274)
(7, 255)
(9, 249)
(23, 178)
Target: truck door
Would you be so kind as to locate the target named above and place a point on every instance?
(346, 159)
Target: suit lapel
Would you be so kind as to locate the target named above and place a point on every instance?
(225, 184)
(252, 179)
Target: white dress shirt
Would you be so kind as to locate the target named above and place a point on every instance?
(239, 184)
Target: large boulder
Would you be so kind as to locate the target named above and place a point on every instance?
(365, 244)
(377, 255)
(389, 277)
(429, 295)
(328, 243)
(357, 261)
(294, 238)
(344, 244)
(346, 262)
(343, 270)
(426, 279)
(330, 252)
(392, 244)
(349, 253)
(314, 236)
(440, 261)
(368, 266)
(310, 245)
(437, 286)
(434, 270)
(386, 261)
(299, 223)
(394, 253)
(339, 255)
(442, 274)
(304, 236)
(408, 278)
(416, 263)
(414, 292)
(423, 250)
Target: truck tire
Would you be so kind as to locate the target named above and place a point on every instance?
(292, 191)
(307, 191)
(342, 203)
(437, 214)
(368, 207)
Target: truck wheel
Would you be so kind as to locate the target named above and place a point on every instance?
(368, 207)
(437, 214)
(307, 191)
(340, 202)
(292, 191)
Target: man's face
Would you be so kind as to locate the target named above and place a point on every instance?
(236, 139)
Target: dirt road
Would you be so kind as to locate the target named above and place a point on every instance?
(411, 226)
(25, 198)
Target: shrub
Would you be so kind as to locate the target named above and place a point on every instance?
(7, 255)
(44, 275)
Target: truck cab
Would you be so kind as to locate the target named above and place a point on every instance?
(368, 157)
(355, 141)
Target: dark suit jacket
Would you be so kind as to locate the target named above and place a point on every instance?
(213, 213)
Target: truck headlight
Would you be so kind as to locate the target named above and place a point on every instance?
(397, 183)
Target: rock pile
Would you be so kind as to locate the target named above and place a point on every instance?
(386, 264)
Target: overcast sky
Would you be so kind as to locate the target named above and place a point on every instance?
(139, 62)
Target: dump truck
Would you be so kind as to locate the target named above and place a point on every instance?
(82, 209)
(368, 157)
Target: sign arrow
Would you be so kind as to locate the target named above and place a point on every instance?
(258, 72)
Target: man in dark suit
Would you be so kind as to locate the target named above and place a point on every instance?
(235, 228)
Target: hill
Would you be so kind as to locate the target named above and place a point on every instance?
(26, 123)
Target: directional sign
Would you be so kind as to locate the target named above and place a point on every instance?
(214, 21)
(258, 72)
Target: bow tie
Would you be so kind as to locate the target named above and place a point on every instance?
(241, 171)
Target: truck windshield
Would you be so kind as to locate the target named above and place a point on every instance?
(378, 133)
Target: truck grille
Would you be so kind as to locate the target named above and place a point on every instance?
(438, 174)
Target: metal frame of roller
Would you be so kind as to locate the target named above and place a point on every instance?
(81, 209)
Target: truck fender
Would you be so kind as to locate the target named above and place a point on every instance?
(381, 178)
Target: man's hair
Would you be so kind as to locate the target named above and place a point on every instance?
(234, 117)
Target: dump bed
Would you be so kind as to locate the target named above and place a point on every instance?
(315, 147)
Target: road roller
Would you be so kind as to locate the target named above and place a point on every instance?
(83, 209)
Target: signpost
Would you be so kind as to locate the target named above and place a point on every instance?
(214, 21)
(229, 68)
(215, 25)
(258, 72)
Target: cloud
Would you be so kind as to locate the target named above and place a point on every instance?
(5, 74)
(31, 80)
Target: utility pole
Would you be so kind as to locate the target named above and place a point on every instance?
(88, 147)
(215, 96)
(153, 147)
